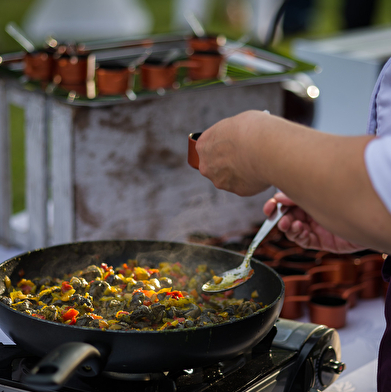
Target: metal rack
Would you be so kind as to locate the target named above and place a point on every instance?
(111, 167)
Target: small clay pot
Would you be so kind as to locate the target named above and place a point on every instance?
(330, 310)
(297, 282)
(39, 65)
(373, 285)
(335, 289)
(192, 155)
(155, 76)
(292, 310)
(205, 65)
(209, 43)
(71, 69)
(370, 263)
(112, 79)
(296, 257)
(349, 268)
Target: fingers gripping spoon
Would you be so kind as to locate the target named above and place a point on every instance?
(239, 275)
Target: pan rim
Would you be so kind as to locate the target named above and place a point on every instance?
(278, 299)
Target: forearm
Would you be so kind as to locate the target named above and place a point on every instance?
(325, 175)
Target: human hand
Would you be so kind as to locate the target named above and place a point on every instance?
(302, 229)
(227, 157)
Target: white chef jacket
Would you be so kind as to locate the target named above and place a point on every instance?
(378, 163)
(378, 151)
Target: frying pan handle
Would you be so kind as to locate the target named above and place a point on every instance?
(58, 366)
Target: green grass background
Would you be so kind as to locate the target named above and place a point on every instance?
(326, 20)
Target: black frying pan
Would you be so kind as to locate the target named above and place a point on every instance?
(133, 351)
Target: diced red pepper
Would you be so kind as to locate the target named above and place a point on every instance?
(147, 293)
(95, 316)
(26, 289)
(175, 294)
(120, 313)
(152, 271)
(105, 267)
(40, 316)
(70, 314)
(65, 287)
(124, 268)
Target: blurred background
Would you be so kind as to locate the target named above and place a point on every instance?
(95, 19)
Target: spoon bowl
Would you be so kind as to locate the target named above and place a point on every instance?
(239, 275)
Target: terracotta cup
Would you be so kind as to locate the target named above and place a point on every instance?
(337, 289)
(296, 257)
(155, 76)
(370, 263)
(209, 43)
(71, 69)
(192, 155)
(205, 65)
(373, 284)
(113, 79)
(297, 282)
(330, 310)
(39, 65)
(349, 268)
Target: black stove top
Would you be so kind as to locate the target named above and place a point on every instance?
(293, 357)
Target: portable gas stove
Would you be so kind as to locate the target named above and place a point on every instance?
(294, 356)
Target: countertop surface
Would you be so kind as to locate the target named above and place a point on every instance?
(360, 340)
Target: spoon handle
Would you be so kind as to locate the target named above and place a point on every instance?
(18, 35)
(195, 24)
(264, 231)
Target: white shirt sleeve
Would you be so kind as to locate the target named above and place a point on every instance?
(378, 163)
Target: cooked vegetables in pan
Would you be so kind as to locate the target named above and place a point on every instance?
(130, 297)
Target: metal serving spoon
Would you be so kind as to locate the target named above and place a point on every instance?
(239, 275)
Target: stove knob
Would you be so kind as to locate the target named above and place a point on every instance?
(333, 366)
(329, 367)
